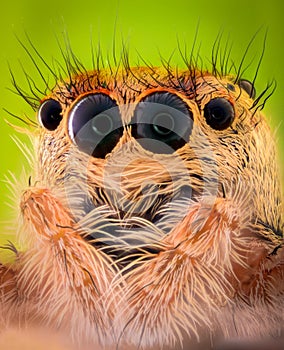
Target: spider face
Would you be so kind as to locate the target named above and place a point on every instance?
(137, 154)
(151, 199)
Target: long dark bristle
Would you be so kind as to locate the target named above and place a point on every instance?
(221, 65)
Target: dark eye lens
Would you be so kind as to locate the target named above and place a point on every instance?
(162, 122)
(248, 87)
(219, 113)
(95, 125)
(49, 114)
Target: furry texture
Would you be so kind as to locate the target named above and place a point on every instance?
(213, 262)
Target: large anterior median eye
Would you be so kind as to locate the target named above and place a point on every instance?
(95, 124)
(219, 113)
(162, 122)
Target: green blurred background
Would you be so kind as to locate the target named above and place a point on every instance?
(148, 26)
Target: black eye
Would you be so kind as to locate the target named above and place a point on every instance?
(95, 125)
(49, 114)
(248, 87)
(162, 122)
(219, 113)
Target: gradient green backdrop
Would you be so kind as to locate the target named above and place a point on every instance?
(148, 25)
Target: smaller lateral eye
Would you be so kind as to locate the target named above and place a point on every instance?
(248, 87)
(219, 113)
(50, 114)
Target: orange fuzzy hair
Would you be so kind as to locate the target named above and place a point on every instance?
(99, 270)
